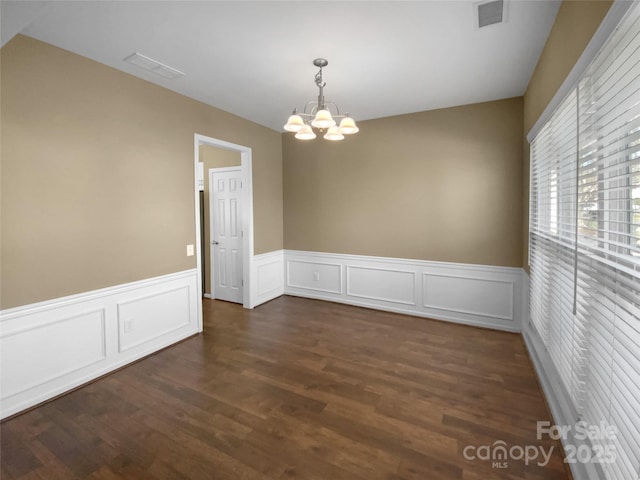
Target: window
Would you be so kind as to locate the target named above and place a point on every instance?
(585, 243)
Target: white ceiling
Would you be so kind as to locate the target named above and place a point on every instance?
(254, 59)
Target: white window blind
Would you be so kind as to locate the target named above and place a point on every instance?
(585, 244)
(552, 238)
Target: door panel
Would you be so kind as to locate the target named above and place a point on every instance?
(226, 234)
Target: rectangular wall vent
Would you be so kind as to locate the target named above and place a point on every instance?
(153, 66)
(490, 13)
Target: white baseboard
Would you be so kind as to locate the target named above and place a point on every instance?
(486, 296)
(51, 347)
(268, 272)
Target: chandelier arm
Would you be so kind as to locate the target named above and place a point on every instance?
(310, 112)
(313, 109)
(336, 107)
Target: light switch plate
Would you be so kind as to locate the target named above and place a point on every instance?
(190, 251)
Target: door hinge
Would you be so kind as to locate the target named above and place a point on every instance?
(242, 282)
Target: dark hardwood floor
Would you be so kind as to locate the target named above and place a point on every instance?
(297, 389)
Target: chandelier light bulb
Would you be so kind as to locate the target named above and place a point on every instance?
(305, 133)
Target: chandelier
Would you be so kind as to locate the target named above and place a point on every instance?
(317, 114)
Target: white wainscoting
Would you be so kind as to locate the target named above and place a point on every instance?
(480, 295)
(51, 347)
(268, 275)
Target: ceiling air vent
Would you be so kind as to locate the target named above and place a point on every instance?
(153, 66)
(490, 13)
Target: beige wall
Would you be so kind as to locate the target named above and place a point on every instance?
(97, 175)
(442, 185)
(213, 157)
(572, 30)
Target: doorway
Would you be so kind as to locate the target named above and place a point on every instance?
(212, 157)
(246, 215)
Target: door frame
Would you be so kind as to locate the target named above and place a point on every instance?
(247, 216)
(210, 173)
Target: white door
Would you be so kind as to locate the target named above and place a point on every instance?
(225, 197)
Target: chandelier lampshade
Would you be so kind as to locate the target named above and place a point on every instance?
(295, 123)
(333, 134)
(323, 120)
(317, 114)
(348, 126)
(306, 133)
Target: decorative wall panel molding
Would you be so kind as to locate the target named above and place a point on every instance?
(314, 276)
(394, 286)
(171, 309)
(33, 344)
(481, 295)
(469, 295)
(51, 347)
